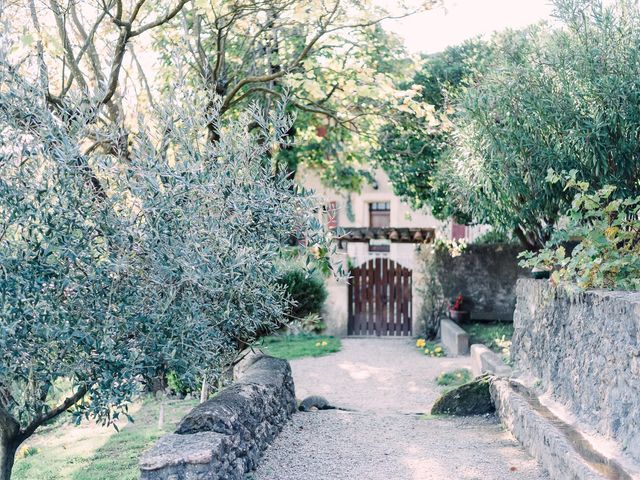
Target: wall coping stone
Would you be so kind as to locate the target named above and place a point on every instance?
(483, 360)
(543, 437)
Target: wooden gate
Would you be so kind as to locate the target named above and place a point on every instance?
(380, 299)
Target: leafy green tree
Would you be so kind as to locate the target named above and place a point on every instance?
(411, 149)
(332, 61)
(84, 53)
(566, 101)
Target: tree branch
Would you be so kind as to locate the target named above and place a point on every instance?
(67, 47)
(285, 70)
(54, 412)
(161, 20)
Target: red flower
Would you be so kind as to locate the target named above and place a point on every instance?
(458, 303)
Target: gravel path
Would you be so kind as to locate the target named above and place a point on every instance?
(387, 383)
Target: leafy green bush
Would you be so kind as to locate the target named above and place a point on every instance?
(493, 237)
(306, 291)
(608, 255)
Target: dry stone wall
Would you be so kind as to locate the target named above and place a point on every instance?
(584, 347)
(224, 437)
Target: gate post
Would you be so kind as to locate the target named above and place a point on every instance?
(416, 304)
(334, 311)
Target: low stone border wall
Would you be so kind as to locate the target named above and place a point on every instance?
(584, 350)
(561, 449)
(485, 275)
(224, 437)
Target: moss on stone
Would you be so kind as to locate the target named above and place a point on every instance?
(472, 398)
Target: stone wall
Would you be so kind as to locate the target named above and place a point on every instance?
(584, 348)
(486, 277)
(224, 437)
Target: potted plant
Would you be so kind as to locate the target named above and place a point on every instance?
(456, 313)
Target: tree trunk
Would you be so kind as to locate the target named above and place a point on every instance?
(9, 443)
(7, 456)
(526, 241)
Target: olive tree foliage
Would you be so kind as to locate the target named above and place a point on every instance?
(568, 102)
(86, 53)
(169, 266)
(61, 303)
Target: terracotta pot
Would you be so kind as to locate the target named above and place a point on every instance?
(459, 315)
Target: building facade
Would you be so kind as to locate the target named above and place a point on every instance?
(380, 246)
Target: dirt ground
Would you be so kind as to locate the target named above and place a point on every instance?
(388, 387)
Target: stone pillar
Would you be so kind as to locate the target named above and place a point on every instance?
(335, 312)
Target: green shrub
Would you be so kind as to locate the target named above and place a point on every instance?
(608, 255)
(563, 98)
(176, 385)
(306, 291)
(493, 237)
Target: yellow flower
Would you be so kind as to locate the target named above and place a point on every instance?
(324, 343)
(421, 342)
(427, 351)
(437, 349)
(317, 344)
(611, 232)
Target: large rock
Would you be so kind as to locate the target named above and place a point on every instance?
(473, 398)
(224, 437)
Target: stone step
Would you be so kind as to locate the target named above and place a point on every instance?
(561, 448)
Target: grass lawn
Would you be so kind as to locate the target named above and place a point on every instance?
(495, 335)
(454, 378)
(299, 346)
(92, 452)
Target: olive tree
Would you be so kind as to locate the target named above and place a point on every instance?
(63, 301)
(169, 266)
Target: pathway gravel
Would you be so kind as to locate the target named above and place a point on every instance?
(388, 387)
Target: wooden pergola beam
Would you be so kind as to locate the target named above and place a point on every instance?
(393, 234)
